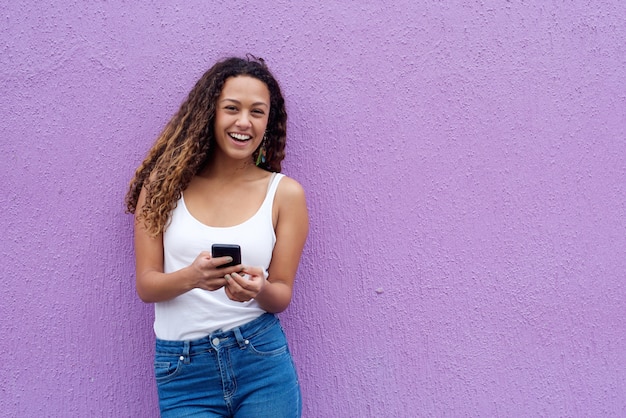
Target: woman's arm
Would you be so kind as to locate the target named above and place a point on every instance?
(153, 285)
(292, 227)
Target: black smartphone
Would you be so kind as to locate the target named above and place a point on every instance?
(223, 250)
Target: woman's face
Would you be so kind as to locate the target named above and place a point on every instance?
(241, 116)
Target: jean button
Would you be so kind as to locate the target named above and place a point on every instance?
(181, 358)
(216, 341)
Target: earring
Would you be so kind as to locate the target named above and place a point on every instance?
(260, 159)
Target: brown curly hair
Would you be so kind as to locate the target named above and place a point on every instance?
(184, 147)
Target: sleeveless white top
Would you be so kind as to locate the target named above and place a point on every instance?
(198, 313)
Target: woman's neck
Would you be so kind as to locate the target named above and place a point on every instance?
(219, 167)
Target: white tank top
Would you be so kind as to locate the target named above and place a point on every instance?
(198, 313)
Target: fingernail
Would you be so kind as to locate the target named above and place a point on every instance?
(229, 259)
(227, 277)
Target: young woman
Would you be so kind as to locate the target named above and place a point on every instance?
(212, 177)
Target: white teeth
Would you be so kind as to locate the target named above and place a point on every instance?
(240, 137)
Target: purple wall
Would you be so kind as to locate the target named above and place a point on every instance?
(466, 175)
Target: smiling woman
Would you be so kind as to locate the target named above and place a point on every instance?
(212, 177)
(241, 117)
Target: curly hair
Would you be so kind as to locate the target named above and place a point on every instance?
(185, 146)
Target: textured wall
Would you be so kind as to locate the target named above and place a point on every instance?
(465, 169)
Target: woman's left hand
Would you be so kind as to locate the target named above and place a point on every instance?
(243, 289)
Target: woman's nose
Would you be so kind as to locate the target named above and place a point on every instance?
(243, 120)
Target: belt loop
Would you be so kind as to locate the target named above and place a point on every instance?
(240, 340)
(186, 347)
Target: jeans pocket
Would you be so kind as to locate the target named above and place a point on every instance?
(164, 370)
(268, 344)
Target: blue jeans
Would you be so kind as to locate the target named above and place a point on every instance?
(244, 372)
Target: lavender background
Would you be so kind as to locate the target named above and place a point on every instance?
(465, 169)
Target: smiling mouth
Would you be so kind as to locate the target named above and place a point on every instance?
(240, 137)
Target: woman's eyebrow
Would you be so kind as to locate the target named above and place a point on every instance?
(239, 103)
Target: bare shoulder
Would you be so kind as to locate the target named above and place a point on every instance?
(289, 191)
(290, 202)
(291, 213)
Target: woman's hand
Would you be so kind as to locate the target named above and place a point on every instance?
(243, 289)
(207, 271)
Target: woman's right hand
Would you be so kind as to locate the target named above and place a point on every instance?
(208, 274)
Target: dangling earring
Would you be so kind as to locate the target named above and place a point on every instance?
(260, 159)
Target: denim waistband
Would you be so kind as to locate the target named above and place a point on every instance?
(219, 339)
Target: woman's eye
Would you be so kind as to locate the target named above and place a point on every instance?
(258, 112)
(231, 108)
